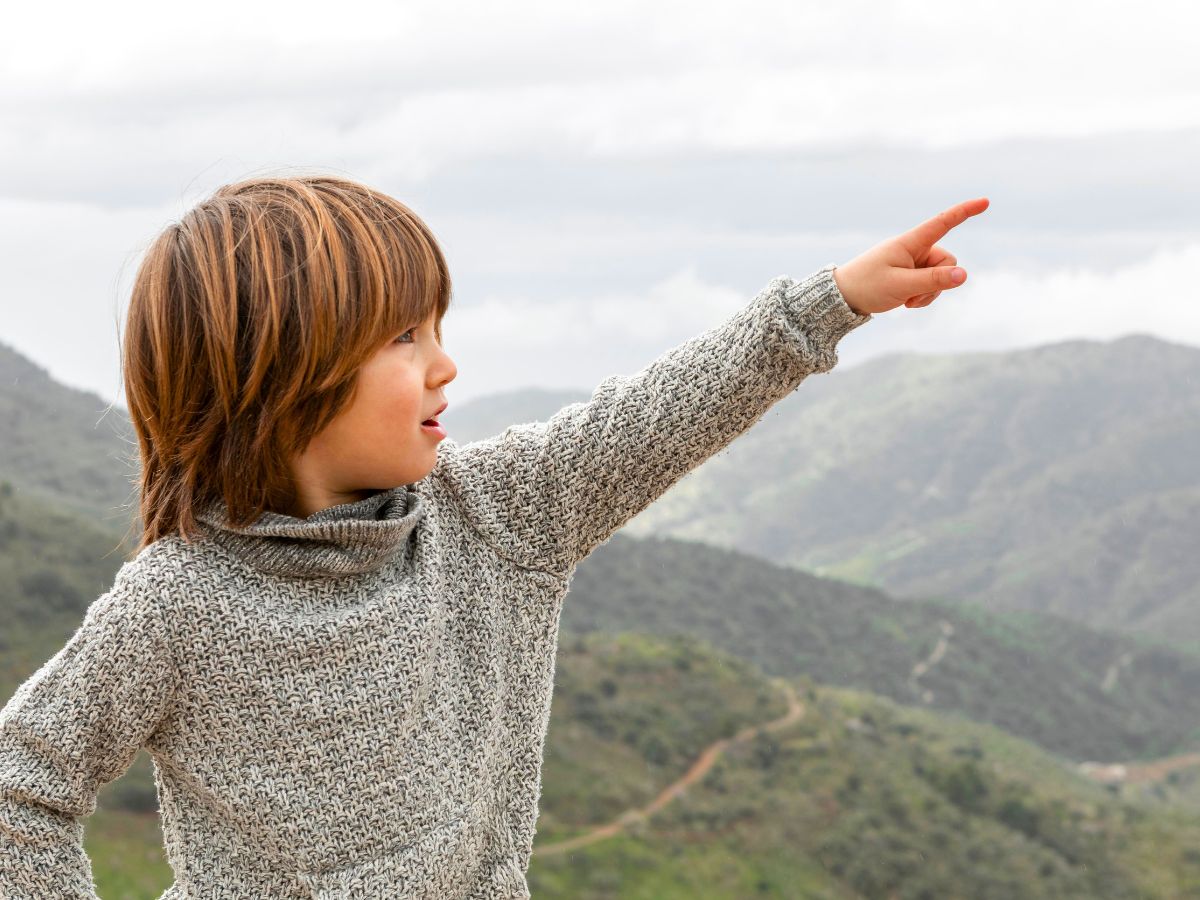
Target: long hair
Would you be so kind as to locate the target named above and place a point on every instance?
(248, 322)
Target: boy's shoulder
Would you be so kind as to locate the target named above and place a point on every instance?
(134, 604)
(462, 461)
(153, 572)
(164, 558)
(455, 479)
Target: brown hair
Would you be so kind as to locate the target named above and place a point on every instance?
(248, 322)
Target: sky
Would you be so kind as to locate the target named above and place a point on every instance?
(607, 180)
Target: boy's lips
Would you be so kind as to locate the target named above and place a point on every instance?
(434, 418)
(432, 425)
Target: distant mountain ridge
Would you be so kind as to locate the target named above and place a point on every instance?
(63, 445)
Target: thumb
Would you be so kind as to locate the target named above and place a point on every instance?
(914, 282)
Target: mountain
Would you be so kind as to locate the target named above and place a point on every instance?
(1058, 479)
(54, 561)
(855, 797)
(481, 417)
(65, 446)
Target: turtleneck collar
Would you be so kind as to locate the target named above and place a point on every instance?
(347, 539)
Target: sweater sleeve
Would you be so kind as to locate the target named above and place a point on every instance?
(546, 494)
(74, 725)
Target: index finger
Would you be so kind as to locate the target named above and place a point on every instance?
(929, 232)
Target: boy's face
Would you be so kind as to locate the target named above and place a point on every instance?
(377, 442)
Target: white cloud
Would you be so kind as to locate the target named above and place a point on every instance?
(403, 90)
(666, 312)
(504, 343)
(655, 162)
(1000, 309)
(67, 267)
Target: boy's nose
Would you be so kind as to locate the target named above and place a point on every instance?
(448, 370)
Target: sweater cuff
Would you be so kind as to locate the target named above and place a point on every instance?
(838, 292)
(817, 302)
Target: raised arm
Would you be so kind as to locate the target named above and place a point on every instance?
(74, 725)
(546, 494)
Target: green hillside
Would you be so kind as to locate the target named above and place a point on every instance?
(53, 563)
(64, 445)
(1085, 693)
(1060, 478)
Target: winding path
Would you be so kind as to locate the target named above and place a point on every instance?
(934, 658)
(1137, 772)
(697, 771)
(1110, 677)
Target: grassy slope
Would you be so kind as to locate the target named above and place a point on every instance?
(1040, 677)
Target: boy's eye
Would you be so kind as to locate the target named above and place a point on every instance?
(410, 331)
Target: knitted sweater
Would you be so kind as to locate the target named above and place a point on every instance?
(355, 704)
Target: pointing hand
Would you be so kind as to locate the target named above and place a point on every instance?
(907, 270)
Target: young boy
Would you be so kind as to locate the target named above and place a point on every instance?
(345, 684)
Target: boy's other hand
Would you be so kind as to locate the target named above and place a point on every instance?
(909, 269)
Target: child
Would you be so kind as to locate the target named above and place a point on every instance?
(345, 685)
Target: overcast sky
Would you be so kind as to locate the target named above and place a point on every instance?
(609, 179)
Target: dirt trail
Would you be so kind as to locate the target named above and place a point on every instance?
(1138, 772)
(934, 658)
(1110, 677)
(697, 771)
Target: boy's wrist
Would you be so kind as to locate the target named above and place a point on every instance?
(842, 284)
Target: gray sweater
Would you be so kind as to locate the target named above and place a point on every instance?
(355, 704)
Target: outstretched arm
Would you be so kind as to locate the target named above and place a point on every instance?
(546, 494)
(74, 725)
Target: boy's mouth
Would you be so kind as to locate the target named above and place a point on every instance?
(433, 420)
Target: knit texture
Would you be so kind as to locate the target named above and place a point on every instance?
(355, 704)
